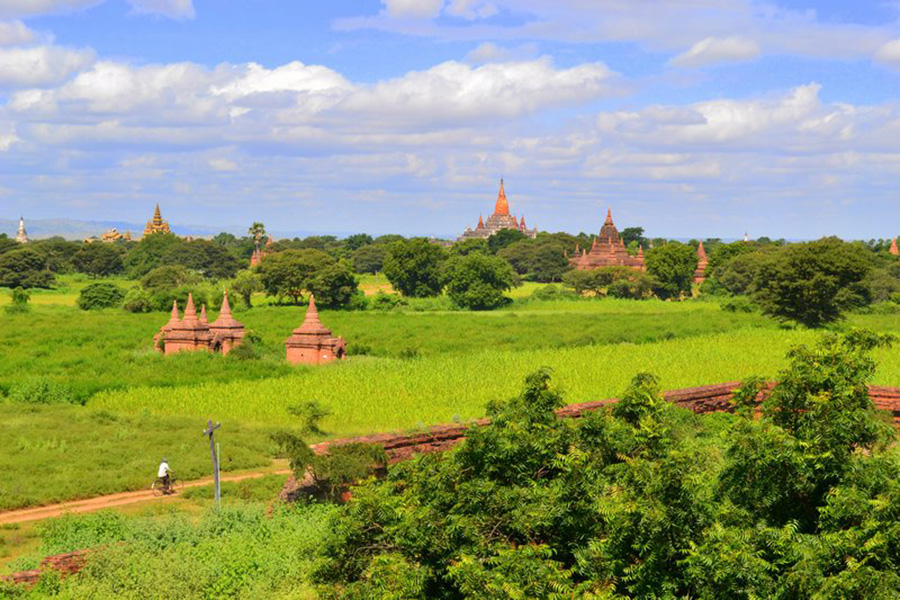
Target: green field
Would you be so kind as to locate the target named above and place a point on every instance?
(412, 368)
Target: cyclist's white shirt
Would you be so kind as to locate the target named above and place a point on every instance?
(163, 469)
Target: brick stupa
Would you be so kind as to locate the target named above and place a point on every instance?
(227, 333)
(159, 340)
(608, 250)
(702, 261)
(894, 249)
(312, 343)
(189, 334)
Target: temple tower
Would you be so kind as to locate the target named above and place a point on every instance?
(608, 250)
(227, 333)
(702, 261)
(22, 235)
(311, 343)
(500, 219)
(157, 224)
(894, 249)
(189, 334)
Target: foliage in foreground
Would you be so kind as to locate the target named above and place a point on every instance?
(644, 500)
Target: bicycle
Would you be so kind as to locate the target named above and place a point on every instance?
(161, 488)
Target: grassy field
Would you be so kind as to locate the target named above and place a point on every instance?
(412, 368)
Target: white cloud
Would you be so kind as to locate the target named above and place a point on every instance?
(490, 52)
(717, 50)
(27, 8)
(174, 9)
(8, 136)
(890, 53)
(13, 33)
(413, 9)
(40, 66)
(472, 9)
(222, 165)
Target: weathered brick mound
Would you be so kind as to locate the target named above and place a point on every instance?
(66, 564)
(701, 400)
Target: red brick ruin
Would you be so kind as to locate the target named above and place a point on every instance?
(608, 250)
(311, 343)
(894, 249)
(193, 333)
(700, 273)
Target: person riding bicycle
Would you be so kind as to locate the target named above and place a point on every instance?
(164, 474)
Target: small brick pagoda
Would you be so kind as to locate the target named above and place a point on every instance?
(311, 343)
(227, 333)
(608, 250)
(501, 219)
(894, 249)
(194, 333)
(157, 225)
(702, 261)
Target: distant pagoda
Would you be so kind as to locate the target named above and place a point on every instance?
(157, 225)
(608, 250)
(894, 249)
(501, 219)
(22, 235)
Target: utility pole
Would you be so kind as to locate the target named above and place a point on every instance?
(210, 431)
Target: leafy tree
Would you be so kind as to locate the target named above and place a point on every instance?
(464, 247)
(205, 257)
(414, 267)
(635, 235)
(543, 259)
(619, 282)
(504, 238)
(334, 285)
(389, 238)
(294, 272)
(813, 283)
(229, 240)
(357, 241)
(58, 252)
(257, 231)
(369, 258)
(24, 268)
(672, 267)
(167, 278)
(8, 244)
(100, 295)
(477, 281)
(149, 253)
(98, 260)
(245, 284)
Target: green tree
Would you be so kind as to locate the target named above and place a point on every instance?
(619, 282)
(477, 281)
(813, 283)
(292, 273)
(357, 241)
(57, 252)
(24, 268)
(205, 257)
(672, 267)
(167, 278)
(149, 253)
(414, 267)
(634, 235)
(469, 246)
(98, 260)
(543, 259)
(369, 258)
(245, 284)
(7, 244)
(257, 231)
(100, 295)
(504, 238)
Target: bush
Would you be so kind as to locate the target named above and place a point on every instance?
(137, 300)
(414, 267)
(19, 302)
(25, 268)
(41, 390)
(97, 296)
(672, 267)
(477, 281)
(382, 301)
(738, 304)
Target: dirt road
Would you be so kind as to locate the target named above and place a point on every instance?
(113, 500)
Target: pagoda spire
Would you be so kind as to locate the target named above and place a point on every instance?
(190, 312)
(502, 206)
(312, 323)
(174, 319)
(894, 250)
(226, 307)
(203, 318)
(609, 216)
(700, 251)
(22, 235)
(157, 216)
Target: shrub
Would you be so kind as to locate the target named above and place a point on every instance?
(97, 296)
(382, 301)
(138, 300)
(738, 304)
(477, 281)
(414, 267)
(25, 268)
(672, 268)
(19, 302)
(41, 390)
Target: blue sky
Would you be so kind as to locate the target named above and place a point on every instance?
(690, 118)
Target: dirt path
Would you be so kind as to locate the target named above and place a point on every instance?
(120, 499)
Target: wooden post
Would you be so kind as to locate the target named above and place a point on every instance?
(210, 431)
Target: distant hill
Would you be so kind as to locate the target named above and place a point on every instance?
(74, 229)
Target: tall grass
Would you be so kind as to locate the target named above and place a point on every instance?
(368, 395)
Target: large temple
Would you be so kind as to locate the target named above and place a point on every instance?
(157, 225)
(501, 219)
(608, 250)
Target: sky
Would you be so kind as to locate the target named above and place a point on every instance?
(690, 118)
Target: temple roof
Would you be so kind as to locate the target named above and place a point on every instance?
(700, 251)
(502, 206)
(311, 324)
(175, 319)
(225, 320)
